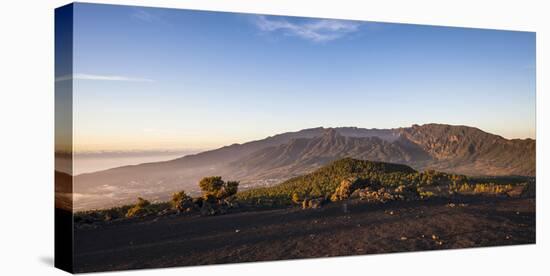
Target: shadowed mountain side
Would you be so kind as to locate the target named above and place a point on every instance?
(468, 150)
(304, 155)
(234, 152)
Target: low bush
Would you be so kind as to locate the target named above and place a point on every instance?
(139, 209)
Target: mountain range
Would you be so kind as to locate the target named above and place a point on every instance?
(448, 148)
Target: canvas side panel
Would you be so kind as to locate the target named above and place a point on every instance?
(64, 138)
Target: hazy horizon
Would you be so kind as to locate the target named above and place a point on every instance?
(152, 78)
(179, 150)
(97, 161)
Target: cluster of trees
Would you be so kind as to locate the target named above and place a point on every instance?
(481, 188)
(324, 181)
(216, 194)
(215, 187)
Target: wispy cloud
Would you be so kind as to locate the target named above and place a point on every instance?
(148, 16)
(144, 15)
(80, 76)
(316, 30)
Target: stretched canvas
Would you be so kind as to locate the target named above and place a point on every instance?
(187, 137)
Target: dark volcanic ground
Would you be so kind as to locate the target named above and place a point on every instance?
(294, 233)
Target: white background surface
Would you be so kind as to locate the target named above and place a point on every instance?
(26, 136)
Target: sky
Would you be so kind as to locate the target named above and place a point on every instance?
(151, 78)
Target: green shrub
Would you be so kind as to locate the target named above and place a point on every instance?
(296, 198)
(426, 194)
(481, 188)
(216, 187)
(230, 188)
(138, 209)
(181, 201)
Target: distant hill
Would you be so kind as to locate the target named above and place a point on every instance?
(447, 148)
(323, 181)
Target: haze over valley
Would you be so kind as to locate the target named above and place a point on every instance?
(87, 162)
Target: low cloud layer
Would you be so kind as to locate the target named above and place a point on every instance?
(80, 76)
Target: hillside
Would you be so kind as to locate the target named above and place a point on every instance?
(471, 151)
(304, 155)
(323, 182)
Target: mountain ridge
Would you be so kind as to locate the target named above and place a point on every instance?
(446, 148)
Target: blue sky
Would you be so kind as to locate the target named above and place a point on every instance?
(149, 78)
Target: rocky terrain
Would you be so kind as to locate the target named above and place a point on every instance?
(338, 229)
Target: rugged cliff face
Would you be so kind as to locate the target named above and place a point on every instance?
(468, 150)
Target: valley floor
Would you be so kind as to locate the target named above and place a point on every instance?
(294, 233)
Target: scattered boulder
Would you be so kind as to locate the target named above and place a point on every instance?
(406, 193)
(314, 203)
(231, 202)
(355, 188)
(381, 195)
(346, 188)
(355, 194)
(210, 206)
(181, 202)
